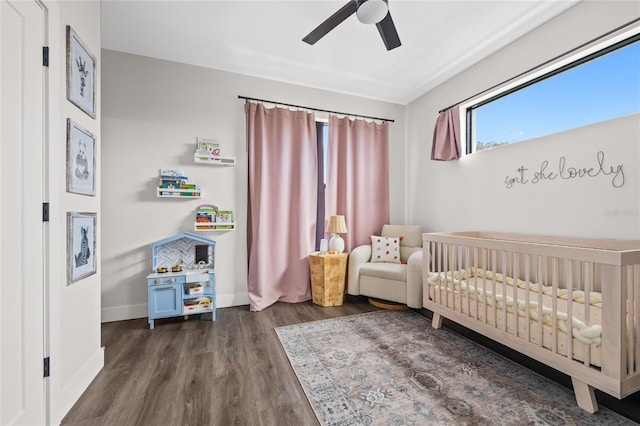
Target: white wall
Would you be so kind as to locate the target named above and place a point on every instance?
(153, 110)
(74, 342)
(470, 194)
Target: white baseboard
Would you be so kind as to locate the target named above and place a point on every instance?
(228, 300)
(127, 312)
(72, 391)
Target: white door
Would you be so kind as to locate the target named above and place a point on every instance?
(22, 94)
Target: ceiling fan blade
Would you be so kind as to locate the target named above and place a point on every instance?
(388, 32)
(331, 22)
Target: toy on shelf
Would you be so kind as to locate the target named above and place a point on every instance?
(197, 305)
(210, 218)
(209, 151)
(174, 184)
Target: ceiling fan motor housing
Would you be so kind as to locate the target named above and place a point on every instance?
(371, 11)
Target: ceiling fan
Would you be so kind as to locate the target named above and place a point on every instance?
(368, 12)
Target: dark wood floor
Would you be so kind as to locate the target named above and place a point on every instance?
(229, 372)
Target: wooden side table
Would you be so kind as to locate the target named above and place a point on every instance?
(328, 273)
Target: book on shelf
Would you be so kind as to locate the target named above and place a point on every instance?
(172, 174)
(224, 219)
(207, 148)
(205, 216)
(173, 184)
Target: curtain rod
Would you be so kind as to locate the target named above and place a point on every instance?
(315, 109)
(542, 65)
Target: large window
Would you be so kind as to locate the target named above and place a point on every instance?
(596, 86)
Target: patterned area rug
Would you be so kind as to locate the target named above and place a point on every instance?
(393, 368)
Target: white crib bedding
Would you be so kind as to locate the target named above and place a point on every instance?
(474, 291)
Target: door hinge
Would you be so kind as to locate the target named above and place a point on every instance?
(46, 367)
(45, 212)
(45, 56)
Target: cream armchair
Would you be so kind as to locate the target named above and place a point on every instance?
(396, 282)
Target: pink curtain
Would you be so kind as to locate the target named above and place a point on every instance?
(446, 136)
(282, 162)
(358, 177)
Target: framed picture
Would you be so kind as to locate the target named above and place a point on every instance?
(81, 160)
(81, 74)
(81, 246)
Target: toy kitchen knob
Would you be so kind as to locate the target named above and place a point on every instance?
(158, 281)
(172, 280)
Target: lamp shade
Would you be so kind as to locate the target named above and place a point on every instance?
(336, 225)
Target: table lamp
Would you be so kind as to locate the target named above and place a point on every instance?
(336, 225)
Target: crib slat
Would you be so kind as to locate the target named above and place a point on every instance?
(515, 273)
(494, 267)
(457, 267)
(484, 286)
(569, 337)
(475, 280)
(554, 305)
(468, 269)
(436, 268)
(450, 296)
(445, 268)
(527, 283)
(589, 285)
(438, 290)
(542, 273)
(445, 265)
(462, 261)
(580, 279)
(630, 317)
(636, 311)
(505, 273)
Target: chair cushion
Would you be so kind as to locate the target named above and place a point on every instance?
(385, 249)
(388, 271)
(411, 234)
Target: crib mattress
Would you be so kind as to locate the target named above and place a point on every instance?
(482, 296)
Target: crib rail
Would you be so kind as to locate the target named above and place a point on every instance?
(574, 305)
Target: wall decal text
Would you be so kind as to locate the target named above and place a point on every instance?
(566, 171)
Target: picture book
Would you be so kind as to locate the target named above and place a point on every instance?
(224, 219)
(207, 147)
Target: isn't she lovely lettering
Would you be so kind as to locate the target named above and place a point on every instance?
(565, 171)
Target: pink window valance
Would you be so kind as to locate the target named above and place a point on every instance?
(446, 136)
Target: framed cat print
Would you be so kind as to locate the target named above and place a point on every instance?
(81, 74)
(81, 160)
(81, 246)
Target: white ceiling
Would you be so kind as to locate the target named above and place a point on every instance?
(264, 39)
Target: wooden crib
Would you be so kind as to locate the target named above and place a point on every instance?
(573, 304)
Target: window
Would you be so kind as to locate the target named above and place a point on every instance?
(600, 83)
(322, 132)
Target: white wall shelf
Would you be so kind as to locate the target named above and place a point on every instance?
(178, 193)
(214, 160)
(214, 226)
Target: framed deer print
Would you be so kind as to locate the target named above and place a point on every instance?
(81, 246)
